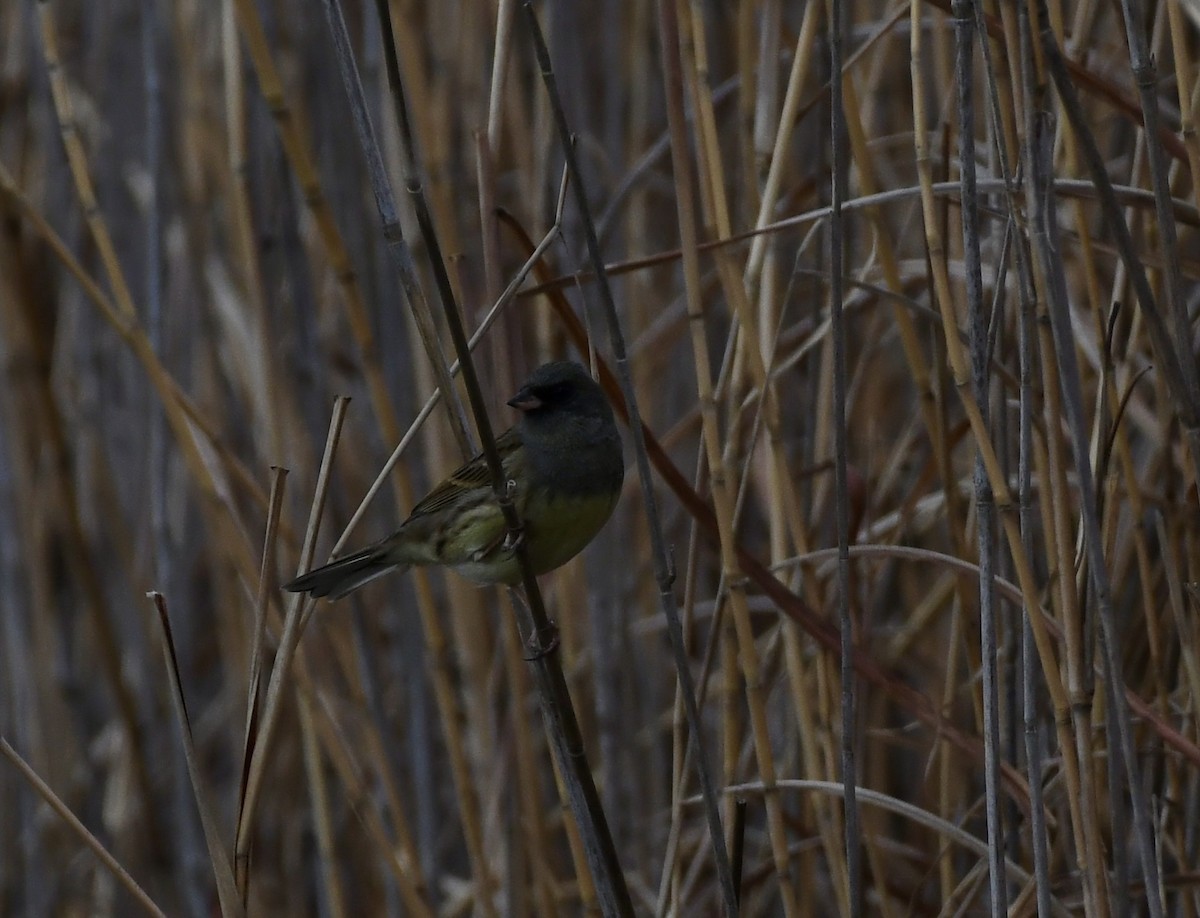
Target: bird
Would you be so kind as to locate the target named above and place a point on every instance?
(564, 466)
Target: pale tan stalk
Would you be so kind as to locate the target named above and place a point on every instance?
(318, 793)
(533, 830)
(244, 248)
(301, 160)
(719, 474)
(63, 811)
(786, 524)
(755, 341)
(957, 362)
(949, 788)
(400, 860)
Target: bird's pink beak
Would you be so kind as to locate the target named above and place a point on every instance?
(525, 401)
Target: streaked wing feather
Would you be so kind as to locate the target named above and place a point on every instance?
(468, 477)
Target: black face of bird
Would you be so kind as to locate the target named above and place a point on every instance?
(544, 398)
(554, 387)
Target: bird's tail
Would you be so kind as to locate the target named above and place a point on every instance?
(343, 576)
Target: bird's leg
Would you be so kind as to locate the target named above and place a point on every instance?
(543, 643)
(514, 537)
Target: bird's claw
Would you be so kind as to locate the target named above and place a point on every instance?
(514, 539)
(542, 644)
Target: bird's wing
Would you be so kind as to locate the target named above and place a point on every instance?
(469, 477)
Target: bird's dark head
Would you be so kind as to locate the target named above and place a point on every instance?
(560, 387)
(571, 441)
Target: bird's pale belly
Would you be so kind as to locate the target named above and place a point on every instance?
(556, 530)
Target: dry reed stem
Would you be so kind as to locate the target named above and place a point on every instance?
(719, 482)
(110, 863)
(241, 272)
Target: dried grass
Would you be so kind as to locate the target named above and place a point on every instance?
(197, 259)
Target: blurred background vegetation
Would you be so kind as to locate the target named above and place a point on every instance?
(195, 264)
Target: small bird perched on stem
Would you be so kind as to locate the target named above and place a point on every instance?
(563, 462)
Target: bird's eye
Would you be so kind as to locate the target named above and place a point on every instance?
(559, 392)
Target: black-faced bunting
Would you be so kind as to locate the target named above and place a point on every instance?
(565, 468)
